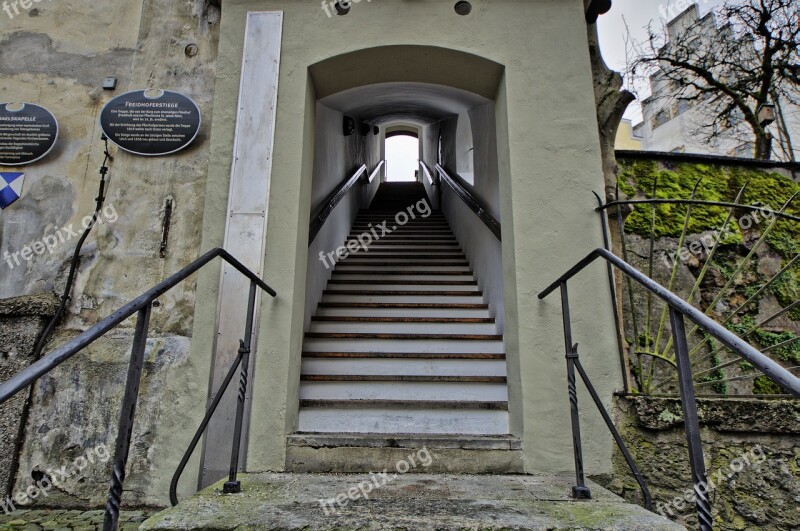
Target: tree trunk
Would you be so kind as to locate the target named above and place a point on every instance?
(612, 101)
(763, 150)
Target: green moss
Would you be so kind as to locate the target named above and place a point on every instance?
(764, 386)
(646, 340)
(638, 178)
(644, 179)
(772, 190)
(765, 338)
(787, 290)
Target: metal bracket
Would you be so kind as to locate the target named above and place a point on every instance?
(573, 353)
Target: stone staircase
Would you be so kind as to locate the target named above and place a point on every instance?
(403, 341)
(403, 420)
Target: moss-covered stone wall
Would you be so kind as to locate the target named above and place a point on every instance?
(731, 281)
(751, 453)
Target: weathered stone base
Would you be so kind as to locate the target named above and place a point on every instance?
(68, 520)
(21, 321)
(413, 502)
(343, 453)
(751, 452)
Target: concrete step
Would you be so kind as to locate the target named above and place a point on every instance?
(344, 268)
(393, 345)
(418, 254)
(416, 242)
(365, 280)
(354, 311)
(371, 261)
(404, 355)
(402, 418)
(421, 298)
(419, 367)
(415, 500)
(432, 391)
(403, 328)
(419, 231)
(432, 288)
(339, 276)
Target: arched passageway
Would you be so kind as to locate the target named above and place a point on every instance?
(404, 335)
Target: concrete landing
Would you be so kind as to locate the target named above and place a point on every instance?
(406, 502)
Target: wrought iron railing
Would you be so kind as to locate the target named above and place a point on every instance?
(720, 246)
(678, 310)
(141, 307)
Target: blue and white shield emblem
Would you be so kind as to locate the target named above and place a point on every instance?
(10, 188)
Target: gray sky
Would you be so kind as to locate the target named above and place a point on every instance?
(638, 14)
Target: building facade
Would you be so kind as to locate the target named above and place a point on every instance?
(277, 84)
(674, 125)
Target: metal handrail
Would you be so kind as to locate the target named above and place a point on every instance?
(762, 362)
(319, 219)
(375, 171)
(471, 201)
(142, 306)
(427, 173)
(678, 309)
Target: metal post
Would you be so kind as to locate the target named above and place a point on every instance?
(233, 486)
(580, 490)
(126, 419)
(623, 360)
(691, 421)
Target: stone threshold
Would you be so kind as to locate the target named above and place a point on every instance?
(410, 502)
(410, 441)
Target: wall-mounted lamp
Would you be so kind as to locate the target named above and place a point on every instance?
(766, 114)
(463, 8)
(376, 130)
(364, 129)
(348, 125)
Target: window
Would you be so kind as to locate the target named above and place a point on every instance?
(661, 118)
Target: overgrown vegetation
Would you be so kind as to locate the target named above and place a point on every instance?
(733, 279)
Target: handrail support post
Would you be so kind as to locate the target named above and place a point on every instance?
(233, 485)
(691, 420)
(579, 491)
(127, 413)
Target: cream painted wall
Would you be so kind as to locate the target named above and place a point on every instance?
(549, 164)
(335, 159)
(482, 248)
